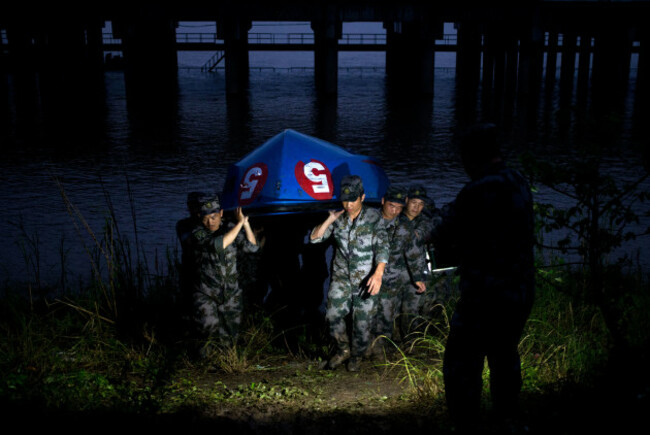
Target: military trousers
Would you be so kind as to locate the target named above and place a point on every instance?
(398, 305)
(218, 312)
(345, 298)
(409, 303)
(386, 312)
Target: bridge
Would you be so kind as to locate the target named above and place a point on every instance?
(497, 45)
(206, 41)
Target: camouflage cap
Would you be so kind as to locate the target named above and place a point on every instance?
(418, 192)
(351, 188)
(209, 204)
(396, 194)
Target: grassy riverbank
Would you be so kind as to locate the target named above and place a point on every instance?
(71, 362)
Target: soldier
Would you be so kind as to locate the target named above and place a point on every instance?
(218, 297)
(420, 225)
(404, 273)
(250, 273)
(185, 226)
(439, 273)
(489, 227)
(416, 203)
(187, 270)
(360, 258)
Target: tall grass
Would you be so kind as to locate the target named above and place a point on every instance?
(118, 345)
(565, 340)
(64, 354)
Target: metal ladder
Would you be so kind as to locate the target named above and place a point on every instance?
(212, 63)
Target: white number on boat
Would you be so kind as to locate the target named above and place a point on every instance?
(320, 180)
(250, 182)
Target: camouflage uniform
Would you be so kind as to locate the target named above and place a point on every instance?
(360, 245)
(187, 268)
(440, 284)
(406, 264)
(421, 227)
(250, 275)
(422, 224)
(218, 302)
(490, 228)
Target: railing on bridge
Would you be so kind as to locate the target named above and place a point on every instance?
(210, 39)
(198, 38)
(281, 39)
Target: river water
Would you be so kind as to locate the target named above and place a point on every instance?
(66, 168)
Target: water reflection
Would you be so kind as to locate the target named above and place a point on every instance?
(147, 146)
(238, 119)
(325, 116)
(153, 110)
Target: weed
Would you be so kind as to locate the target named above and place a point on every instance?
(105, 348)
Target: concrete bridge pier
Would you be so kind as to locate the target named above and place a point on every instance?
(611, 66)
(72, 55)
(642, 89)
(487, 69)
(551, 61)
(21, 61)
(74, 46)
(410, 54)
(22, 54)
(233, 29)
(499, 79)
(468, 56)
(65, 44)
(327, 31)
(567, 68)
(57, 66)
(468, 69)
(530, 65)
(149, 47)
(71, 78)
(510, 73)
(584, 65)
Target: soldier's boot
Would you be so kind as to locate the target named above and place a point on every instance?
(376, 349)
(339, 358)
(371, 349)
(354, 364)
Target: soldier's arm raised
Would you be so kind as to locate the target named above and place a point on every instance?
(250, 234)
(319, 231)
(231, 235)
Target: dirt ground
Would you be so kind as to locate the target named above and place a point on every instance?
(379, 400)
(294, 396)
(376, 400)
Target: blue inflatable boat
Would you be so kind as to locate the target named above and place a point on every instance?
(296, 173)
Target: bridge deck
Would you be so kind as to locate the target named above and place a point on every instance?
(282, 42)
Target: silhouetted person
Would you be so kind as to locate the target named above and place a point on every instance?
(489, 227)
(188, 272)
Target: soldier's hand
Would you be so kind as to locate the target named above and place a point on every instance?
(421, 287)
(240, 215)
(334, 214)
(374, 284)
